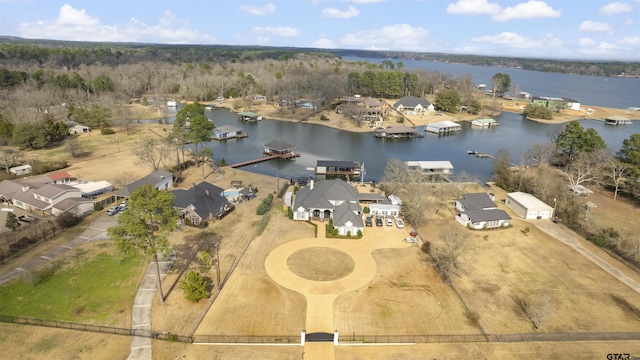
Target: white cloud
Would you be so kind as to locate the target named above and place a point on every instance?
(510, 39)
(529, 10)
(277, 30)
(587, 42)
(633, 40)
(600, 49)
(467, 50)
(77, 25)
(338, 14)
(615, 8)
(595, 26)
(268, 8)
(324, 43)
(73, 17)
(392, 37)
(473, 7)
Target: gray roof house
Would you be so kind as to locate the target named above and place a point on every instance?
(161, 179)
(44, 197)
(413, 104)
(479, 211)
(201, 203)
(330, 199)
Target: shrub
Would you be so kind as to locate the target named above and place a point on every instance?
(98, 207)
(359, 233)
(538, 112)
(194, 286)
(107, 131)
(366, 210)
(67, 220)
(323, 117)
(265, 205)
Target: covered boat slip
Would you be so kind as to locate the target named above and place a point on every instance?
(398, 132)
(443, 127)
(249, 116)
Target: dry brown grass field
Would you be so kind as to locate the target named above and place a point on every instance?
(405, 297)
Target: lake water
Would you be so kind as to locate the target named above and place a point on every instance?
(612, 92)
(516, 134)
(317, 142)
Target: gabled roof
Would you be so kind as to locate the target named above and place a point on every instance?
(488, 215)
(323, 193)
(476, 201)
(204, 197)
(153, 178)
(53, 190)
(59, 175)
(9, 188)
(279, 145)
(347, 212)
(226, 129)
(411, 102)
(70, 203)
(27, 198)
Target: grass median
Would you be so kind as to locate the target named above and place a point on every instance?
(91, 285)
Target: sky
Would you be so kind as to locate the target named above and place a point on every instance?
(558, 29)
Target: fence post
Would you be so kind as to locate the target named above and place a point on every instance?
(302, 337)
(335, 338)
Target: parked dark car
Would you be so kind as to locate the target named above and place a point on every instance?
(369, 221)
(26, 218)
(378, 222)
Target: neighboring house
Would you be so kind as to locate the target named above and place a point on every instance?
(9, 188)
(45, 197)
(528, 206)
(76, 206)
(384, 209)
(431, 167)
(259, 97)
(201, 203)
(59, 177)
(160, 179)
(330, 199)
(79, 129)
(479, 211)
(21, 170)
(306, 105)
(94, 189)
(412, 105)
(556, 103)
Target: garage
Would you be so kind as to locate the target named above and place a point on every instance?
(528, 206)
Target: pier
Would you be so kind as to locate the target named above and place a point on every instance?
(265, 158)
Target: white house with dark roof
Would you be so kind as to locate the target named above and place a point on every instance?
(412, 104)
(330, 199)
(201, 203)
(44, 197)
(479, 211)
(76, 206)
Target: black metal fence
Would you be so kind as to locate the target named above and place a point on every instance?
(345, 340)
(530, 337)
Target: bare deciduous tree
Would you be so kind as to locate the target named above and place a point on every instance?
(535, 308)
(155, 153)
(615, 171)
(585, 168)
(448, 254)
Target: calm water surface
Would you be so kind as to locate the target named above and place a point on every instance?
(316, 142)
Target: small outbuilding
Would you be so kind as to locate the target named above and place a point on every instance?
(21, 170)
(528, 206)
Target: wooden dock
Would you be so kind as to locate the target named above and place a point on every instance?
(264, 158)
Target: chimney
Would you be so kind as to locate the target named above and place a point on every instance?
(206, 192)
(311, 184)
(25, 188)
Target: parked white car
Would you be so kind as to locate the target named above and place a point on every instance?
(389, 222)
(411, 240)
(399, 223)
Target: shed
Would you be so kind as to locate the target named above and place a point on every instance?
(21, 170)
(528, 206)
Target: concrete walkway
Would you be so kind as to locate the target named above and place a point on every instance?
(565, 235)
(320, 295)
(97, 230)
(141, 315)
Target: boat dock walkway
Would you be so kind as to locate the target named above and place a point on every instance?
(264, 158)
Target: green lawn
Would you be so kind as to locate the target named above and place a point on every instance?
(87, 287)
